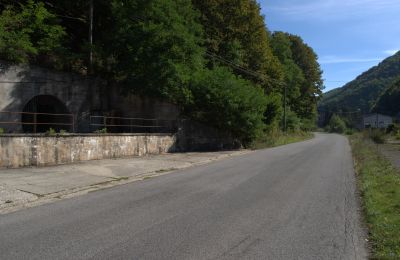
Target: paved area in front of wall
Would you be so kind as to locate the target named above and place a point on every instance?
(27, 187)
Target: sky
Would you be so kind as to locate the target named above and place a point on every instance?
(349, 36)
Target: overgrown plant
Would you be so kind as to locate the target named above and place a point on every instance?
(377, 135)
(51, 132)
(101, 131)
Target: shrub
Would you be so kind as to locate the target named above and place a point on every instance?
(63, 132)
(397, 136)
(101, 131)
(293, 122)
(377, 136)
(1, 131)
(308, 125)
(349, 131)
(51, 131)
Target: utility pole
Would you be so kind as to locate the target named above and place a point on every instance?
(284, 111)
(91, 36)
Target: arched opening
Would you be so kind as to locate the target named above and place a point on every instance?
(44, 112)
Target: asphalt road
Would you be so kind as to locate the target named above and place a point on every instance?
(292, 202)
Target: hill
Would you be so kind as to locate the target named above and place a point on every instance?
(363, 92)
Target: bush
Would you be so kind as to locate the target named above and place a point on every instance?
(391, 129)
(336, 125)
(229, 103)
(349, 131)
(51, 131)
(377, 136)
(293, 122)
(101, 131)
(397, 135)
(1, 131)
(308, 125)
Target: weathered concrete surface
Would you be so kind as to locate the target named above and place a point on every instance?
(25, 187)
(19, 151)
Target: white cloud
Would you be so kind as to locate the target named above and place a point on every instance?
(335, 60)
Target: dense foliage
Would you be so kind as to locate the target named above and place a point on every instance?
(364, 91)
(214, 58)
(28, 32)
(228, 102)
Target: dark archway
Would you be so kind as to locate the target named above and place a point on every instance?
(51, 113)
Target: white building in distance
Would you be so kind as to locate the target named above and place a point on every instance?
(377, 121)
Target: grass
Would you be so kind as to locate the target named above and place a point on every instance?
(379, 183)
(279, 138)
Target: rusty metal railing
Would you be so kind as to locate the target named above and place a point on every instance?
(69, 122)
(132, 124)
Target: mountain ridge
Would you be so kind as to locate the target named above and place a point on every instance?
(365, 90)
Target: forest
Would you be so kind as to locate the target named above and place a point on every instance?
(216, 59)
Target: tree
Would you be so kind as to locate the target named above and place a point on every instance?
(312, 86)
(336, 125)
(236, 31)
(29, 32)
(293, 75)
(156, 47)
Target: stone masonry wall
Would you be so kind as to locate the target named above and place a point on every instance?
(21, 151)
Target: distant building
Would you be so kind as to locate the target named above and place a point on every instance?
(377, 121)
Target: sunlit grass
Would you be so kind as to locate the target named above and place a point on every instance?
(379, 183)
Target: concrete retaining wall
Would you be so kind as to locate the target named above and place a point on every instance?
(21, 150)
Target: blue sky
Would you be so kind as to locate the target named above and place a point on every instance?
(349, 36)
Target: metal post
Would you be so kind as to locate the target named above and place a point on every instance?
(91, 36)
(73, 123)
(34, 123)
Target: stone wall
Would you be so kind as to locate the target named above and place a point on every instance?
(21, 150)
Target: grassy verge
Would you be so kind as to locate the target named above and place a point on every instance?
(379, 183)
(279, 138)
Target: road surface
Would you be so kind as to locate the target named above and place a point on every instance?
(292, 202)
